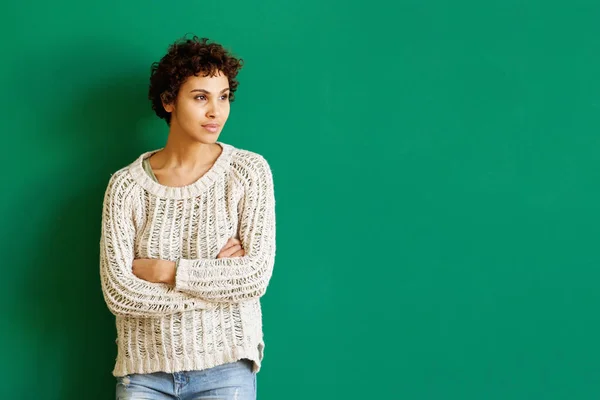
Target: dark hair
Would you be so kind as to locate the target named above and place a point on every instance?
(184, 58)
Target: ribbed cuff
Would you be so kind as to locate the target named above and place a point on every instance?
(179, 279)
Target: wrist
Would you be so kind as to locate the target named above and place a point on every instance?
(169, 272)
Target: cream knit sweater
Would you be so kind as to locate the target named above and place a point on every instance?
(213, 315)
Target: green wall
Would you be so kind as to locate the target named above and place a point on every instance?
(436, 167)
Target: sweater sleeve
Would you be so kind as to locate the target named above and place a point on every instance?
(237, 279)
(125, 293)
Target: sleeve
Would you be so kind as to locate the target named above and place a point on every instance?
(236, 279)
(125, 293)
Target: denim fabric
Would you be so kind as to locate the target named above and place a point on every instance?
(232, 381)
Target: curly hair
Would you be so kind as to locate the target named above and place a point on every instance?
(184, 58)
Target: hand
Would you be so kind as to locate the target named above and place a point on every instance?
(233, 248)
(156, 271)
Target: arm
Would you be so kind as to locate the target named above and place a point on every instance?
(239, 278)
(124, 293)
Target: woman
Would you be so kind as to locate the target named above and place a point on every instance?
(188, 242)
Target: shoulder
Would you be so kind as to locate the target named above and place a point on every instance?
(120, 179)
(121, 182)
(251, 170)
(126, 176)
(249, 159)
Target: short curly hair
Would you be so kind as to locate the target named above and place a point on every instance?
(184, 58)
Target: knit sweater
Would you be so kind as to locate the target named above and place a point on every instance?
(212, 315)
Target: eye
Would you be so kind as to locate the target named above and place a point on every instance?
(225, 96)
(200, 97)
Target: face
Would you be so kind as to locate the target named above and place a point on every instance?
(201, 107)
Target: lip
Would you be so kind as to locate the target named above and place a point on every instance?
(211, 127)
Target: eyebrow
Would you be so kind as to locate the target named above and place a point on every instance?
(206, 91)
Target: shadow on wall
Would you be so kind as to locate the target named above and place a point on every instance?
(101, 128)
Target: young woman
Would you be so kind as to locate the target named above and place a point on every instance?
(188, 242)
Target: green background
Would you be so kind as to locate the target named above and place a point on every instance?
(436, 167)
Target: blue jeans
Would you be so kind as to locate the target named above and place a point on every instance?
(223, 382)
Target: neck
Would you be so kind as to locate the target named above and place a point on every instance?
(181, 151)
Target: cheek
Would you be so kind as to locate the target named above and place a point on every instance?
(225, 110)
(191, 111)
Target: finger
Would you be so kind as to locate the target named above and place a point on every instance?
(240, 253)
(231, 242)
(228, 252)
(233, 249)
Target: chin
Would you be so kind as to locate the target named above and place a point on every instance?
(207, 139)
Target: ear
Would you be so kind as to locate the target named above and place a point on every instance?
(167, 106)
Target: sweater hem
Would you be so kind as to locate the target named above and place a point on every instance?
(182, 364)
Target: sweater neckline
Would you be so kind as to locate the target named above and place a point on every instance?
(220, 166)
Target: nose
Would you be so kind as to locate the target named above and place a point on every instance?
(212, 111)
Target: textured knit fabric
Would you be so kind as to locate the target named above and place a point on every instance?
(212, 315)
(148, 169)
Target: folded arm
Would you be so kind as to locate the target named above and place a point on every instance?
(124, 293)
(239, 278)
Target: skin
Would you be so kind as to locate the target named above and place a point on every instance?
(190, 152)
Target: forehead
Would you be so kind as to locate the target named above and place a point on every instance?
(217, 82)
